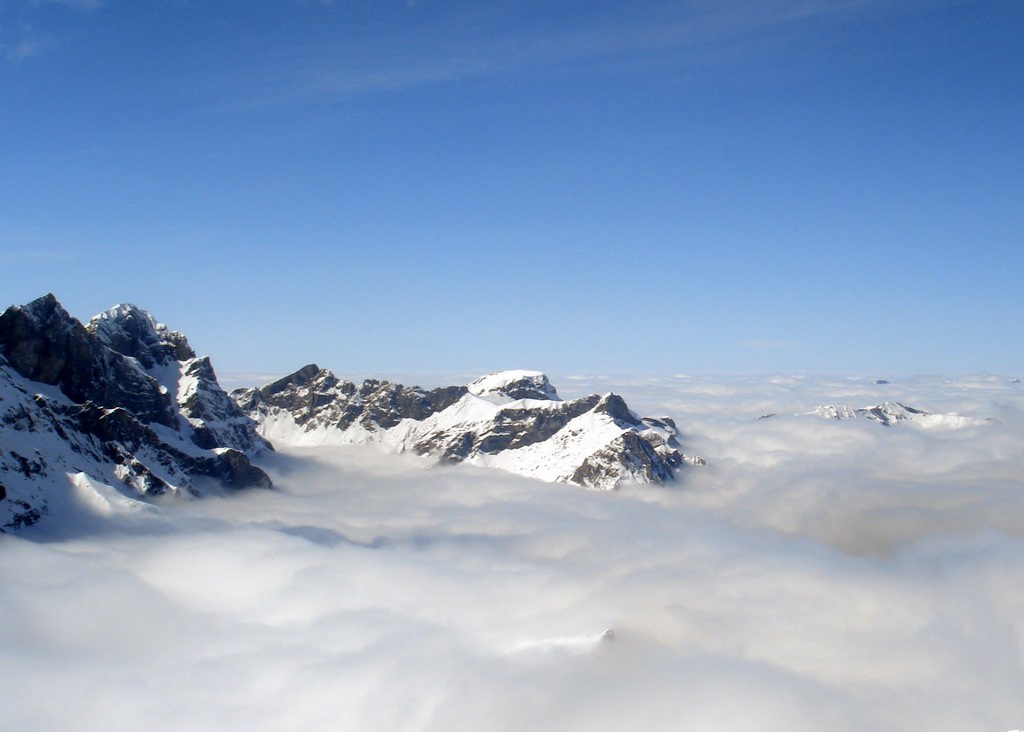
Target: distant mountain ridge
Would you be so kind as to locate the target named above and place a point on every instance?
(510, 420)
(95, 416)
(893, 413)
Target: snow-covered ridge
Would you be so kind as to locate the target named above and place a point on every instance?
(515, 384)
(130, 330)
(893, 413)
(511, 420)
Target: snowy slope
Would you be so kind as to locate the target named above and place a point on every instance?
(511, 420)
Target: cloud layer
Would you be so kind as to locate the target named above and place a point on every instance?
(815, 575)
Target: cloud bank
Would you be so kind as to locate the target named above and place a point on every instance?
(815, 575)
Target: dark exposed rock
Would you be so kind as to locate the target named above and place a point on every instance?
(452, 450)
(515, 428)
(302, 377)
(660, 422)
(23, 514)
(42, 342)
(123, 436)
(27, 466)
(314, 396)
(231, 468)
(628, 449)
(614, 406)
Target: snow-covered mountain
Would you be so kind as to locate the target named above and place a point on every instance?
(204, 412)
(98, 416)
(512, 420)
(892, 413)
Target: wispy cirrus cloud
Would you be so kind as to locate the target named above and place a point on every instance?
(482, 44)
(25, 48)
(21, 35)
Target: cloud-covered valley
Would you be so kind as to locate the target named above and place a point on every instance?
(815, 574)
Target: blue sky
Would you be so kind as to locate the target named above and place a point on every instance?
(577, 187)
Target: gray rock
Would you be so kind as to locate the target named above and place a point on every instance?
(315, 397)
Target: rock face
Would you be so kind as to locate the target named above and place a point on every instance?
(203, 411)
(45, 344)
(512, 420)
(94, 417)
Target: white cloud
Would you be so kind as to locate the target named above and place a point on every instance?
(815, 575)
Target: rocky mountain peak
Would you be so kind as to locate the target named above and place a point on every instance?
(43, 343)
(516, 384)
(131, 331)
(134, 413)
(39, 338)
(302, 377)
(615, 407)
(45, 309)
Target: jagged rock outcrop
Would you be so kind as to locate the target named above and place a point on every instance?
(43, 343)
(100, 415)
(511, 420)
(204, 411)
(132, 331)
(314, 398)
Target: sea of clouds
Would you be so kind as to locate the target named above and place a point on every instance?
(814, 575)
